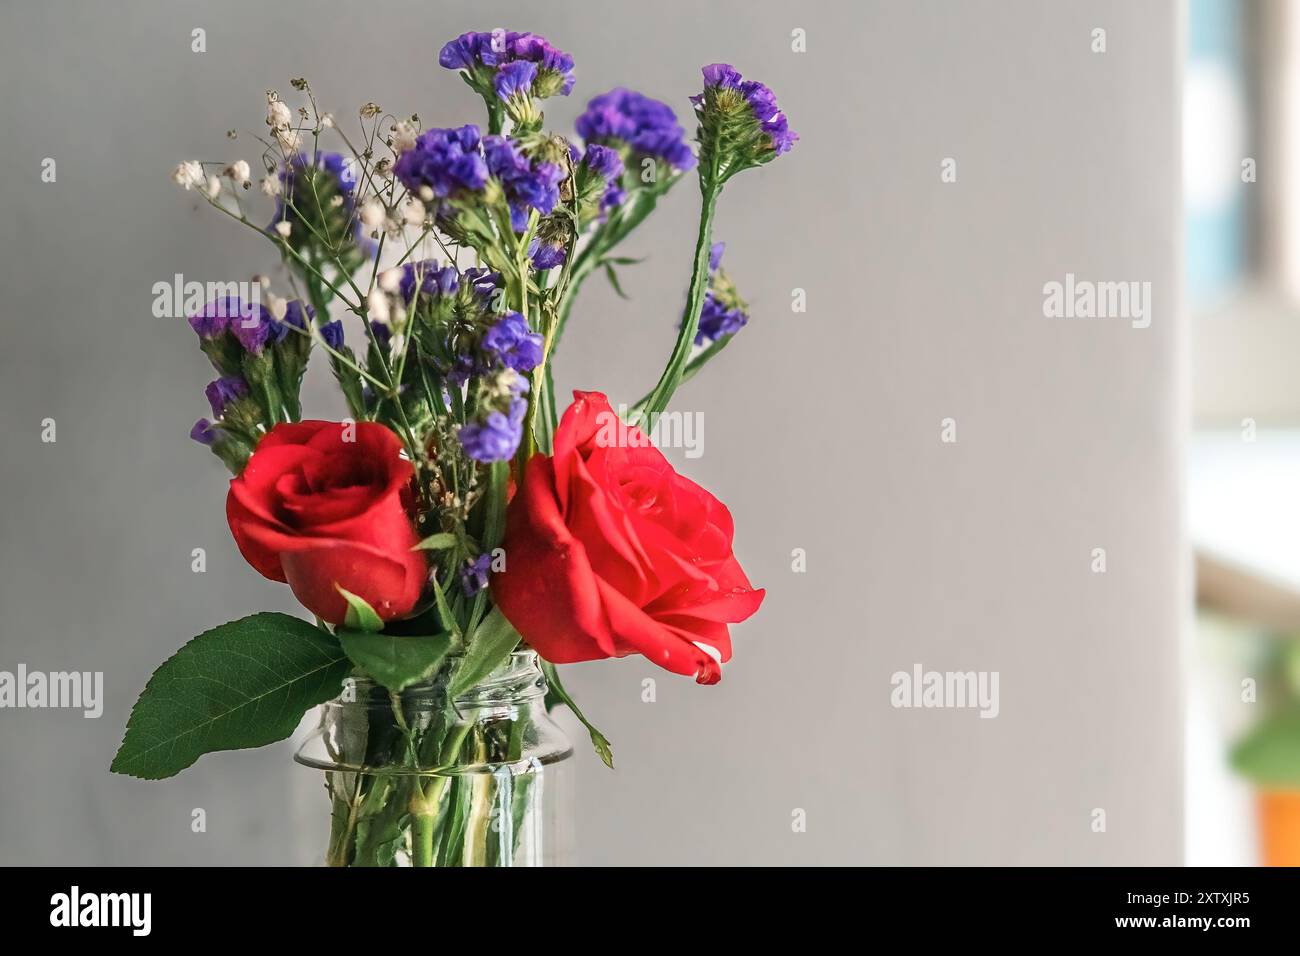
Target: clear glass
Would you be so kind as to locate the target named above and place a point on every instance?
(418, 779)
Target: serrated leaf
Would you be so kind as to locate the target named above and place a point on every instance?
(437, 542)
(487, 648)
(360, 615)
(604, 749)
(243, 684)
(1270, 754)
(395, 660)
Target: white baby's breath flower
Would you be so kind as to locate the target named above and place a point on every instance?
(426, 193)
(188, 174)
(238, 172)
(283, 227)
(327, 121)
(263, 280)
(377, 307)
(390, 280)
(404, 135)
(278, 114)
(277, 306)
(371, 214)
(336, 201)
(414, 212)
(214, 187)
(270, 185)
(289, 139)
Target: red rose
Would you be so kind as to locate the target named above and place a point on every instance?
(323, 503)
(609, 552)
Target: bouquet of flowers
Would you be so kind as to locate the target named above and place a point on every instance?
(455, 537)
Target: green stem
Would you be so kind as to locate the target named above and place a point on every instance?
(658, 399)
(422, 827)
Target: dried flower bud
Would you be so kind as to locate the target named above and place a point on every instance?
(270, 185)
(404, 136)
(278, 114)
(277, 306)
(327, 121)
(238, 172)
(370, 110)
(371, 214)
(414, 212)
(188, 174)
(377, 306)
(289, 139)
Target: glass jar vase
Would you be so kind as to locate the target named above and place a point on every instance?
(417, 778)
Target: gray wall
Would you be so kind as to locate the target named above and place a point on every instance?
(822, 429)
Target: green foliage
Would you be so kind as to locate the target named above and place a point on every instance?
(243, 684)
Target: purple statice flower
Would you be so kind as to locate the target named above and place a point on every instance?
(607, 164)
(603, 161)
(510, 342)
(527, 185)
(223, 391)
(432, 280)
(215, 317)
(515, 79)
(546, 255)
(484, 282)
(715, 255)
(474, 574)
(332, 333)
(383, 334)
(298, 315)
(484, 55)
(496, 437)
(445, 160)
(646, 125)
(723, 313)
(717, 320)
(253, 326)
(761, 101)
(204, 433)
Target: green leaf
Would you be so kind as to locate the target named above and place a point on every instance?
(361, 616)
(1270, 754)
(623, 260)
(491, 644)
(612, 276)
(243, 684)
(396, 661)
(437, 542)
(604, 749)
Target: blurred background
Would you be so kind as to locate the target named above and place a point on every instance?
(825, 428)
(1241, 150)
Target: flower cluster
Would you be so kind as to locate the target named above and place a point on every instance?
(315, 209)
(724, 313)
(528, 184)
(260, 361)
(506, 64)
(443, 163)
(497, 428)
(598, 172)
(740, 122)
(637, 126)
